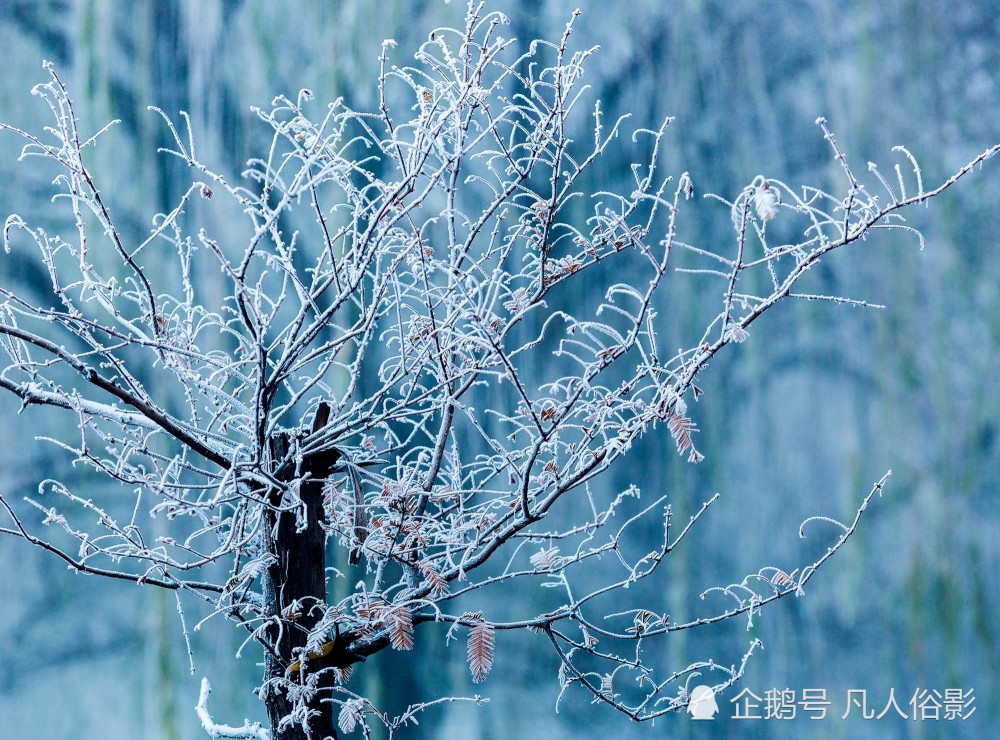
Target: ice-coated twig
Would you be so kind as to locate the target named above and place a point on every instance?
(247, 731)
(432, 345)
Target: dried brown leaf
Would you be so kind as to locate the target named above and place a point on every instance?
(400, 623)
(480, 650)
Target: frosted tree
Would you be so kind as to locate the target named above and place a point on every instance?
(397, 387)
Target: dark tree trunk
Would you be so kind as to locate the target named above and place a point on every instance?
(296, 589)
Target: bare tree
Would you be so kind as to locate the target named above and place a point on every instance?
(400, 389)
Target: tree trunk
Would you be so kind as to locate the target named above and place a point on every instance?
(296, 590)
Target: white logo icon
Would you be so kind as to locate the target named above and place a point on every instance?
(702, 704)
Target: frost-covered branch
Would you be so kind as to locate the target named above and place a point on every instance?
(426, 334)
(247, 731)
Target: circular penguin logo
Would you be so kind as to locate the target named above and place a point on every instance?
(702, 704)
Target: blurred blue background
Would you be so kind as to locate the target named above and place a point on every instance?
(799, 420)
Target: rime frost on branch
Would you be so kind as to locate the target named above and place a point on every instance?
(396, 365)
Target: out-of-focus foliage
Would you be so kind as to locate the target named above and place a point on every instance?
(805, 414)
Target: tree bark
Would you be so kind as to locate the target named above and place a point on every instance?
(296, 589)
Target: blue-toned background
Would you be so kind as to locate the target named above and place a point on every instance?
(799, 420)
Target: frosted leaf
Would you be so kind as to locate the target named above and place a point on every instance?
(400, 623)
(518, 301)
(765, 202)
(480, 651)
(439, 586)
(681, 428)
(350, 716)
(546, 559)
(607, 687)
(736, 333)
